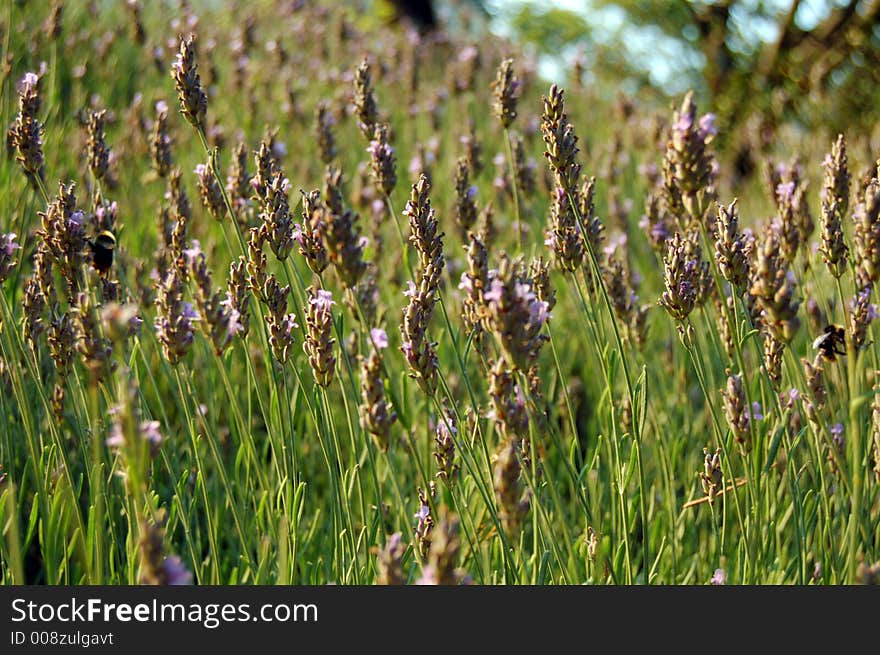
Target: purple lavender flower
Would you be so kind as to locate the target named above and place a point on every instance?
(379, 338)
(235, 325)
(150, 432)
(707, 128)
(684, 123)
(496, 288)
(290, 324)
(189, 312)
(785, 192)
(838, 437)
(192, 253)
(175, 572)
(378, 150)
(28, 83)
(116, 439)
(147, 431)
(539, 312)
(76, 219)
(756, 412)
(8, 246)
(323, 300)
(719, 577)
(468, 53)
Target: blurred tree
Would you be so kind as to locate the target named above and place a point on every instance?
(551, 29)
(814, 61)
(778, 58)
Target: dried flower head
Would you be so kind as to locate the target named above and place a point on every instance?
(61, 338)
(63, 231)
(515, 315)
(444, 446)
(866, 235)
(474, 280)
(875, 425)
(155, 567)
(219, 320)
(862, 313)
(688, 164)
(174, 317)
(835, 204)
(257, 263)
(237, 294)
(210, 191)
(523, 167)
(277, 223)
(561, 142)
(425, 523)
(656, 222)
(365, 100)
(443, 554)
(473, 149)
(513, 502)
(773, 351)
(8, 246)
(774, 287)
(731, 250)
(711, 477)
(279, 322)
(736, 409)
(310, 233)
(238, 183)
(342, 240)
(465, 211)
(26, 134)
(416, 346)
(52, 25)
(425, 235)
(185, 72)
(508, 402)
(97, 152)
(382, 160)
(389, 561)
(324, 132)
(267, 166)
(506, 88)
(563, 234)
(376, 414)
(814, 373)
(682, 279)
(319, 328)
(90, 342)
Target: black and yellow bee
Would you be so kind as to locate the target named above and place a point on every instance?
(831, 342)
(103, 246)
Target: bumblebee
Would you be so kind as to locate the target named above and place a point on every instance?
(103, 246)
(831, 342)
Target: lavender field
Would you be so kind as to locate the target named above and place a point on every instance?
(292, 295)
